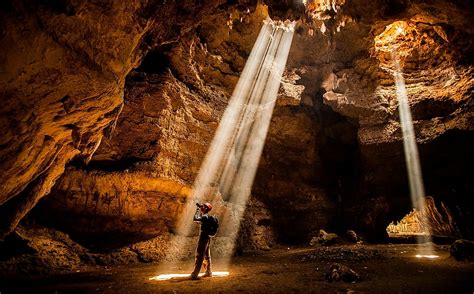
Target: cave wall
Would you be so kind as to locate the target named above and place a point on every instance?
(60, 93)
(173, 104)
(434, 54)
(139, 179)
(333, 157)
(63, 73)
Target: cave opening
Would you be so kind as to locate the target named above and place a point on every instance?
(156, 61)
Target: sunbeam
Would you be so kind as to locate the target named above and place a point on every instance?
(415, 178)
(228, 171)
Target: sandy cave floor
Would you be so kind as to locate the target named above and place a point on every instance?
(383, 268)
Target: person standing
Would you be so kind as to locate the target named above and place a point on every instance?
(209, 225)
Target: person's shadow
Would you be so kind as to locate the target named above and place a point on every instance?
(182, 279)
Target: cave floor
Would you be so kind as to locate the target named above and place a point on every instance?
(383, 269)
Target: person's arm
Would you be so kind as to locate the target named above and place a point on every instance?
(197, 216)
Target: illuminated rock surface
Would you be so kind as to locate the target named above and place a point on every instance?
(137, 91)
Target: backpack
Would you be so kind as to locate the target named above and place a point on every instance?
(212, 225)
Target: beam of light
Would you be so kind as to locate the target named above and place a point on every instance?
(400, 30)
(417, 190)
(228, 170)
(165, 277)
(426, 256)
(396, 36)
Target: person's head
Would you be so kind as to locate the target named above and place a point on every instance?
(206, 207)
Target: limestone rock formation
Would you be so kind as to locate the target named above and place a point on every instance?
(439, 82)
(430, 220)
(40, 250)
(61, 94)
(62, 79)
(173, 103)
(112, 106)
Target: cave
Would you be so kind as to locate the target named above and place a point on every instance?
(329, 138)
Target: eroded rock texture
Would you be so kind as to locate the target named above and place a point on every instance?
(431, 220)
(138, 181)
(333, 158)
(63, 71)
(433, 49)
(61, 90)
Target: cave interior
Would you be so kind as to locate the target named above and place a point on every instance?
(110, 109)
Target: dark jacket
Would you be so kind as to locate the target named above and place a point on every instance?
(204, 219)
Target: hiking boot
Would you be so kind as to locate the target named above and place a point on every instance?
(207, 275)
(194, 276)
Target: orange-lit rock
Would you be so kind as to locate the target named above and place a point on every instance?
(63, 73)
(173, 104)
(138, 91)
(430, 220)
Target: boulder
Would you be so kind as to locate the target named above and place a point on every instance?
(462, 250)
(324, 238)
(338, 272)
(353, 237)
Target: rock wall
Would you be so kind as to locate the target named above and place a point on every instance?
(60, 93)
(349, 84)
(433, 46)
(63, 73)
(173, 104)
(333, 158)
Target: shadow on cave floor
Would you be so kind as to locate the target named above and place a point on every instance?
(383, 268)
(106, 242)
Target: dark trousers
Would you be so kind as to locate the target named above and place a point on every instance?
(203, 254)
